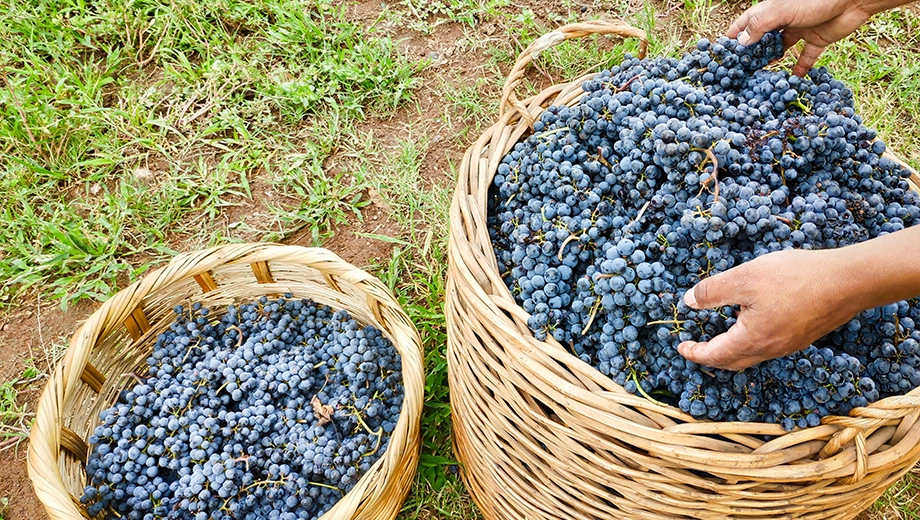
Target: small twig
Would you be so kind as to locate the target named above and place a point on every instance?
(715, 171)
(135, 376)
(22, 115)
(551, 132)
(283, 480)
(22, 382)
(666, 322)
(9, 443)
(541, 70)
(190, 349)
(565, 243)
(600, 157)
(597, 306)
(642, 390)
(641, 212)
(243, 458)
(379, 435)
(325, 486)
(203, 110)
(239, 340)
(180, 115)
(626, 85)
(784, 220)
(156, 46)
(38, 311)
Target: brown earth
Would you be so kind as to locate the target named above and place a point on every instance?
(30, 333)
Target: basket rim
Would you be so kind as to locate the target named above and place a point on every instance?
(469, 209)
(396, 466)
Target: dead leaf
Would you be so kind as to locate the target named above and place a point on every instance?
(377, 199)
(323, 412)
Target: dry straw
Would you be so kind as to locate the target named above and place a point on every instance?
(543, 435)
(116, 340)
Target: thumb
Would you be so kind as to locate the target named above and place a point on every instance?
(729, 350)
(760, 19)
(715, 291)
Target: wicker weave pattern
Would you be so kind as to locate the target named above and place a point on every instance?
(116, 340)
(542, 435)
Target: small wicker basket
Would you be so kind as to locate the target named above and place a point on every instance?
(543, 435)
(117, 339)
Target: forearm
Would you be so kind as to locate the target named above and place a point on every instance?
(880, 271)
(877, 6)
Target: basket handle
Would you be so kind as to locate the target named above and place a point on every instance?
(566, 32)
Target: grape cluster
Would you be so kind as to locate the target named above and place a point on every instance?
(668, 171)
(273, 411)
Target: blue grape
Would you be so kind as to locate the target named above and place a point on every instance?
(620, 191)
(274, 410)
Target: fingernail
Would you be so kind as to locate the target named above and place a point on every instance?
(744, 38)
(690, 298)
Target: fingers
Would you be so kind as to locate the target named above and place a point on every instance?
(758, 20)
(728, 351)
(807, 59)
(790, 38)
(739, 24)
(716, 291)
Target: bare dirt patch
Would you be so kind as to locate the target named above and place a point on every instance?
(352, 243)
(27, 336)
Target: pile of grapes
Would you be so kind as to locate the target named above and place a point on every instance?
(668, 171)
(274, 411)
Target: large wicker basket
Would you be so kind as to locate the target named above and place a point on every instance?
(543, 435)
(117, 339)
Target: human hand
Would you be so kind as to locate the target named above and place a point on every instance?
(818, 22)
(788, 300)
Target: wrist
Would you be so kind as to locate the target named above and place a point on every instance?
(879, 271)
(853, 278)
(848, 281)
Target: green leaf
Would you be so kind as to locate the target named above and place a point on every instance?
(383, 238)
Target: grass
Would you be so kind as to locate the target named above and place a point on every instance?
(323, 200)
(132, 130)
(204, 96)
(416, 272)
(880, 64)
(900, 501)
(695, 15)
(475, 101)
(15, 418)
(426, 15)
(572, 59)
